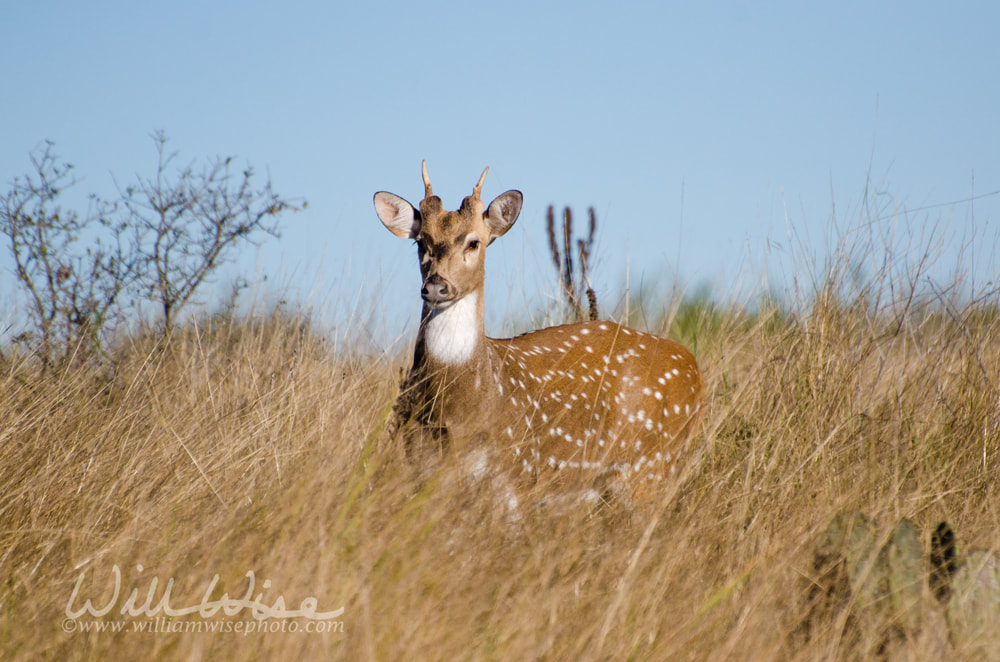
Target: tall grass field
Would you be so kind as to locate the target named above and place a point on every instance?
(226, 493)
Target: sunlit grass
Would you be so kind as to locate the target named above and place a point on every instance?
(254, 445)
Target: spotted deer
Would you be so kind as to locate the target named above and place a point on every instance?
(592, 398)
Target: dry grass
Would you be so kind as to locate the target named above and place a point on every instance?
(251, 446)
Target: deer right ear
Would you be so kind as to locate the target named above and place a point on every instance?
(502, 213)
(397, 215)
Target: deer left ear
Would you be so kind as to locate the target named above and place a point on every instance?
(397, 215)
(502, 213)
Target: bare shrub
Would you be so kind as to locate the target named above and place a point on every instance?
(185, 225)
(160, 241)
(72, 266)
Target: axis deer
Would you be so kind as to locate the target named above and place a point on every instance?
(593, 397)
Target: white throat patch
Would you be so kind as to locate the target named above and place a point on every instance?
(451, 334)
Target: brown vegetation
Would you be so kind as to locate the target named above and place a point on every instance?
(249, 446)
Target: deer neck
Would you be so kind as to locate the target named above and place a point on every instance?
(455, 363)
(453, 337)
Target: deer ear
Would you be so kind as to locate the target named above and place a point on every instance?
(397, 215)
(502, 213)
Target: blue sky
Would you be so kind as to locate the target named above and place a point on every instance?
(704, 134)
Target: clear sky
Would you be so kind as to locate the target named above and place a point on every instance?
(704, 134)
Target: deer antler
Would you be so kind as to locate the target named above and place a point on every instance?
(479, 185)
(427, 180)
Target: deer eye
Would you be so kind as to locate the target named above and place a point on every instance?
(473, 245)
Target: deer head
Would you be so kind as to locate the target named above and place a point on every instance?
(451, 244)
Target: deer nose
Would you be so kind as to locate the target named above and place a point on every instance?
(436, 290)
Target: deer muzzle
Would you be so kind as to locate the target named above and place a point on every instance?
(437, 291)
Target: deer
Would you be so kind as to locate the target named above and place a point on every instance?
(592, 398)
